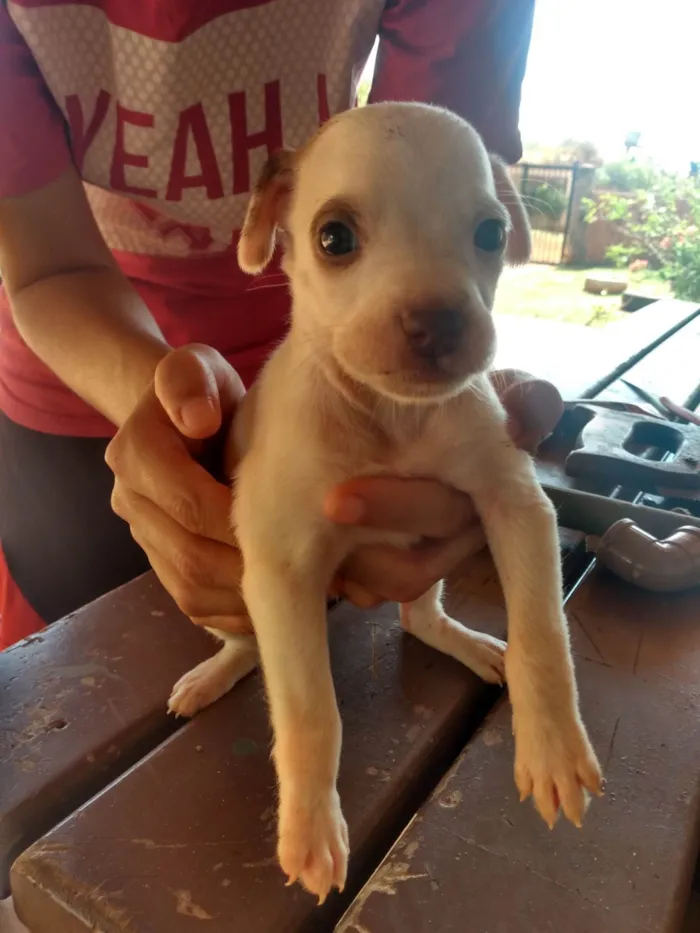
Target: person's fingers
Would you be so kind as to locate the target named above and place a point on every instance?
(503, 379)
(421, 507)
(201, 575)
(359, 596)
(380, 573)
(198, 389)
(203, 607)
(153, 460)
(534, 406)
(534, 409)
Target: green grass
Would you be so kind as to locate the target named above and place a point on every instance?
(556, 293)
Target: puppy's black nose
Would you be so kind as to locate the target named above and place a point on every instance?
(433, 332)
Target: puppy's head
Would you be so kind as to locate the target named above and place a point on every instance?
(397, 224)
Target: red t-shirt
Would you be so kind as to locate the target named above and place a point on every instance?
(168, 109)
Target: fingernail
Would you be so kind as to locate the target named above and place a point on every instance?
(198, 414)
(349, 510)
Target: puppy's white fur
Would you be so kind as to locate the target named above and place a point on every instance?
(345, 396)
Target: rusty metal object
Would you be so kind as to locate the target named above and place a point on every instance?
(665, 565)
(605, 452)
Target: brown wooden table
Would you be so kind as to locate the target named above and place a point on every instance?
(170, 826)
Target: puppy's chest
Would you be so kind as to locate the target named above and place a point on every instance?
(433, 449)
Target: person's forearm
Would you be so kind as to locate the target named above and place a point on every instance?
(93, 330)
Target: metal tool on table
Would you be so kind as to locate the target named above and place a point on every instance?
(654, 548)
(607, 449)
(663, 404)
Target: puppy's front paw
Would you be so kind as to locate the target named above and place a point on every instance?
(313, 844)
(556, 764)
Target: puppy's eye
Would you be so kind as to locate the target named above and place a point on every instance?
(337, 239)
(490, 236)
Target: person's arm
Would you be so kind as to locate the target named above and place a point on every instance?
(466, 55)
(71, 303)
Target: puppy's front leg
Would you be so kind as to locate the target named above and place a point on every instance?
(285, 596)
(554, 760)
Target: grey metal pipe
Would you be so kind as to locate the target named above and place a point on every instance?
(594, 514)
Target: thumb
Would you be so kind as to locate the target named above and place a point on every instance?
(198, 389)
(534, 408)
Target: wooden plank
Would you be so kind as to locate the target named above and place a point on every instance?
(83, 700)
(672, 369)
(560, 352)
(473, 851)
(631, 340)
(691, 923)
(584, 361)
(190, 832)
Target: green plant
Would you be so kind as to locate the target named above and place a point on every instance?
(363, 90)
(625, 176)
(661, 226)
(543, 198)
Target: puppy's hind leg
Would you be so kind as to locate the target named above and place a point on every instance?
(426, 619)
(211, 679)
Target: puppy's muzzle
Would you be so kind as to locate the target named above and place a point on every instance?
(433, 333)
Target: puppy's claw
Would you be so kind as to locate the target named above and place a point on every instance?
(556, 764)
(547, 803)
(313, 844)
(523, 781)
(591, 777)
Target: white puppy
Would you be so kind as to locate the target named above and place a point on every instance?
(396, 223)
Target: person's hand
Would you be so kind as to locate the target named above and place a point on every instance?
(440, 515)
(180, 514)
(177, 512)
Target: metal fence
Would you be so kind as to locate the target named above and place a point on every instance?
(548, 192)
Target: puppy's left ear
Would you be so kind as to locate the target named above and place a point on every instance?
(519, 240)
(266, 212)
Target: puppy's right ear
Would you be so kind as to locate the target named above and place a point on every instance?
(266, 211)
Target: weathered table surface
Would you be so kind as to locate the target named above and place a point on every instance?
(473, 850)
(585, 361)
(187, 834)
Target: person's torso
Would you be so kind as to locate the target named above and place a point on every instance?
(172, 106)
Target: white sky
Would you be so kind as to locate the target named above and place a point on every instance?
(599, 69)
